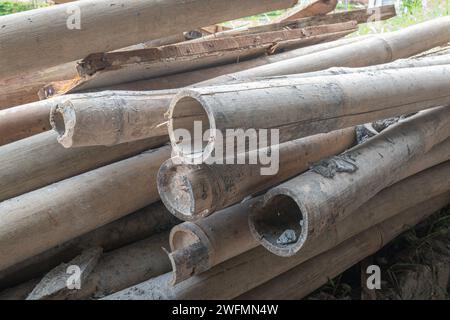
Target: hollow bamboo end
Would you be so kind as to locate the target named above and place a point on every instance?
(62, 120)
(280, 224)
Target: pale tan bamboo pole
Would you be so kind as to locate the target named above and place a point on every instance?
(37, 161)
(309, 276)
(134, 227)
(41, 219)
(192, 192)
(308, 9)
(236, 276)
(300, 107)
(296, 212)
(197, 247)
(381, 48)
(67, 32)
(114, 271)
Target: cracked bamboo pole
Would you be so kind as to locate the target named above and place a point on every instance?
(199, 246)
(41, 219)
(37, 161)
(192, 192)
(309, 9)
(311, 275)
(299, 107)
(236, 276)
(297, 212)
(52, 35)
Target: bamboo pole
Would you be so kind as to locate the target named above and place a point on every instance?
(137, 226)
(41, 219)
(236, 276)
(53, 35)
(38, 161)
(296, 212)
(199, 246)
(308, 105)
(220, 186)
(311, 275)
(308, 9)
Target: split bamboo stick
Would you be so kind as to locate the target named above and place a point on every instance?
(296, 212)
(311, 275)
(236, 276)
(192, 192)
(308, 105)
(41, 219)
(37, 161)
(53, 35)
(308, 9)
(142, 224)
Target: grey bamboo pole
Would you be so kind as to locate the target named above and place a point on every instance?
(309, 276)
(53, 35)
(373, 50)
(192, 192)
(296, 212)
(300, 107)
(137, 226)
(236, 276)
(41, 219)
(37, 161)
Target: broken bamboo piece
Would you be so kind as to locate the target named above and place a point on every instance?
(308, 9)
(298, 211)
(41, 219)
(37, 161)
(192, 192)
(308, 106)
(51, 36)
(236, 276)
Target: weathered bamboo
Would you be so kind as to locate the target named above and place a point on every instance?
(142, 224)
(193, 192)
(41, 219)
(114, 271)
(308, 9)
(377, 49)
(37, 161)
(19, 292)
(236, 276)
(309, 276)
(296, 212)
(53, 35)
(300, 107)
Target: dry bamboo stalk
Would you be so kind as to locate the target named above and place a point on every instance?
(37, 161)
(308, 105)
(144, 259)
(237, 276)
(360, 15)
(41, 219)
(309, 276)
(142, 224)
(296, 212)
(381, 48)
(192, 192)
(308, 9)
(52, 35)
(197, 247)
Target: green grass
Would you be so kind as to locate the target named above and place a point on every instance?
(13, 7)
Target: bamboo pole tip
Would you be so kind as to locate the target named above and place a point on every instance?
(62, 120)
(279, 224)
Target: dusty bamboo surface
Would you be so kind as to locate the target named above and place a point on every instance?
(192, 192)
(45, 39)
(137, 226)
(41, 219)
(377, 49)
(312, 202)
(114, 271)
(311, 275)
(236, 276)
(308, 9)
(37, 161)
(308, 105)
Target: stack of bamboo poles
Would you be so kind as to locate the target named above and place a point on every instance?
(83, 170)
